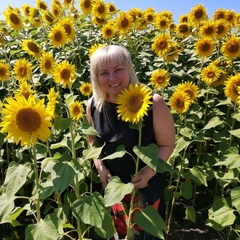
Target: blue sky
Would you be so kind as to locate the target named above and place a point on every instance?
(175, 6)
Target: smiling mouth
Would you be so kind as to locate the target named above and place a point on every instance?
(115, 85)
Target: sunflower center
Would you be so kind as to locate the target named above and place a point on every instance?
(14, 19)
(43, 6)
(205, 46)
(179, 103)
(108, 32)
(33, 47)
(87, 4)
(68, 29)
(211, 74)
(209, 30)
(58, 36)
(220, 29)
(76, 110)
(135, 103)
(160, 79)
(189, 92)
(183, 28)
(233, 47)
(3, 72)
(100, 9)
(150, 18)
(48, 64)
(198, 14)
(23, 71)
(124, 23)
(163, 23)
(65, 74)
(220, 15)
(28, 120)
(162, 44)
(49, 18)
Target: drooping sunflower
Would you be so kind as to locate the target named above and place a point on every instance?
(222, 28)
(94, 47)
(46, 62)
(31, 47)
(25, 120)
(58, 35)
(135, 14)
(24, 90)
(48, 18)
(180, 102)
(4, 72)
(190, 88)
(41, 5)
(26, 10)
(221, 79)
(232, 85)
(57, 10)
(86, 89)
(68, 25)
(162, 43)
(99, 9)
(99, 21)
(22, 70)
(108, 31)
(67, 3)
(13, 19)
(210, 74)
(111, 7)
(198, 13)
(133, 103)
(208, 29)
(204, 47)
(123, 23)
(64, 73)
(160, 78)
(183, 30)
(231, 47)
(86, 6)
(161, 22)
(76, 110)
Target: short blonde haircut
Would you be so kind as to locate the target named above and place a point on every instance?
(101, 57)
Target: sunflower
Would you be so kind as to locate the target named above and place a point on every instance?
(172, 53)
(22, 69)
(180, 102)
(231, 89)
(231, 47)
(51, 105)
(99, 9)
(26, 10)
(58, 35)
(86, 6)
(41, 5)
(108, 31)
(57, 10)
(86, 89)
(31, 47)
(183, 30)
(222, 28)
(99, 21)
(159, 78)
(94, 48)
(208, 29)
(4, 72)
(219, 14)
(123, 23)
(25, 120)
(210, 74)
(68, 25)
(136, 14)
(184, 18)
(24, 90)
(162, 43)
(46, 62)
(150, 14)
(13, 19)
(198, 13)
(221, 79)
(133, 103)
(162, 22)
(76, 110)
(190, 88)
(204, 47)
(230, 16)
(67, 3)
(48, 17)
(172, 27)
(64, 73)
(111, 7)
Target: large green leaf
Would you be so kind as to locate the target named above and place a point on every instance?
(62, 175)
(150, 221)
(235, 198)
(6, 207)
(116, 190)
(191, 213)
(213, 122)
(62, 123)
(221, 215)
(181, 144)
(197, 174)
(186, 190)
(43, 230)
(16, 177)
(92, 153)
(120, 151)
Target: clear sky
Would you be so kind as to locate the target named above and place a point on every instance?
(177, 7)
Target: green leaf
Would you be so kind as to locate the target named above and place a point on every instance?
(116, 190)
(120, 151)
(235, 198)
(164, 167)
(213, 122)
(63, 143)
(62, 123)
(149, 220)
(43, 230)
(191, 213)
(186, 190)
(197, 174)
(181, 144)
(148, 154)
(6, 207)
(16, 177)
(62, 175)
(235, 133)
(221, 215)
(92, 153)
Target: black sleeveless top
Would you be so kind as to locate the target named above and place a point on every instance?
(115, 132)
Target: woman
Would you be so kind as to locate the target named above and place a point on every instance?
(112, 70)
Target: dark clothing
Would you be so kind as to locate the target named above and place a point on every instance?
(115, 132)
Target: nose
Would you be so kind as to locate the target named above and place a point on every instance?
(112, 76)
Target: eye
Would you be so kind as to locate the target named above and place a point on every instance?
(103, 74)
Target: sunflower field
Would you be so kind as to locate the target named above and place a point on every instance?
(49, 187)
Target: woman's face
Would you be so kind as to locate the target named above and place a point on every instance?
(113, 78)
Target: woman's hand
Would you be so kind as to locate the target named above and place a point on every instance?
(104, 175)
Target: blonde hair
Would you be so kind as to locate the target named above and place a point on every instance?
(103, 56)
